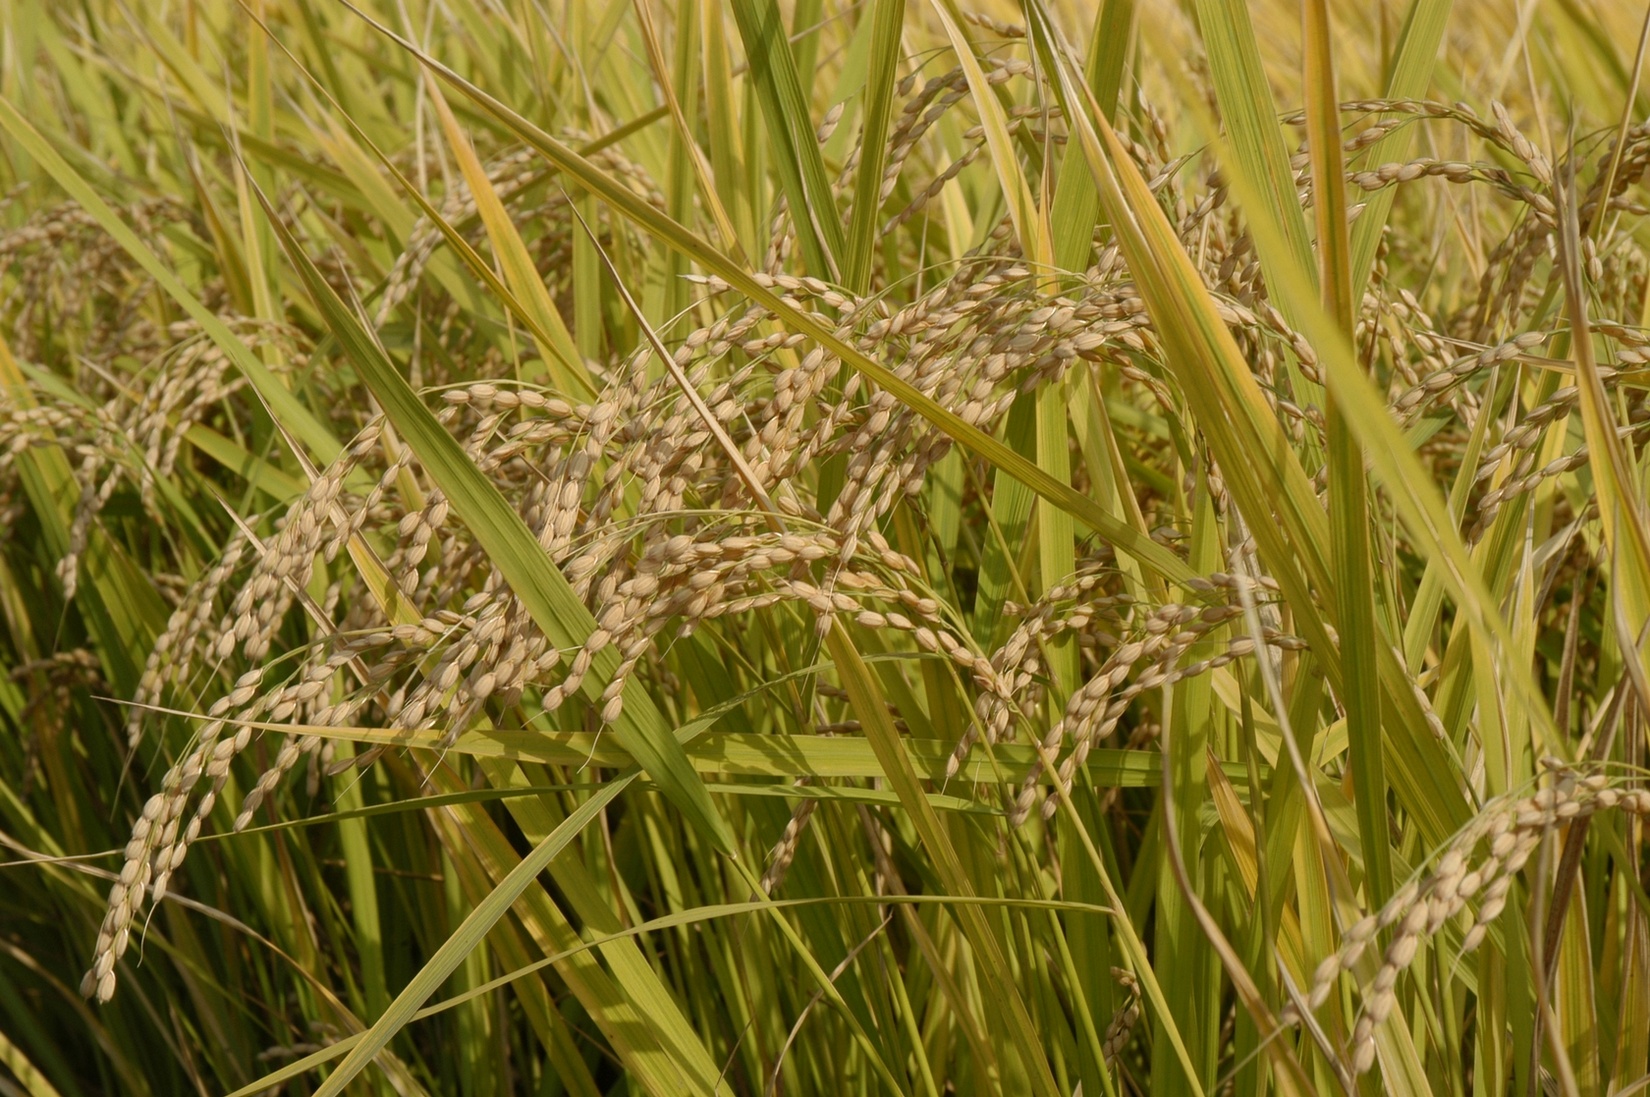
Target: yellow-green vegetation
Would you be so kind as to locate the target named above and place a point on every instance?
(675, 548)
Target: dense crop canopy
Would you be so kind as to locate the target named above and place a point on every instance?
(620, 546)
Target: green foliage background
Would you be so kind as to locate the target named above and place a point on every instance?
(626, 547)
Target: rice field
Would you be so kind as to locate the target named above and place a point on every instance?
(619, 547)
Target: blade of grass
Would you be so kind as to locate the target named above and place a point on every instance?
(1076, 208)
(1615, 480)
(556, 346)
(887, 26)
(1412, 66)
(738, 754)
(1251, 119)
(467, 937)
(34, 1083)
(1348, 506)
(1030, 227)
(866, 699)
(684, 144)
(795, 153)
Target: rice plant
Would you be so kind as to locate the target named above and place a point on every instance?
(616, 547)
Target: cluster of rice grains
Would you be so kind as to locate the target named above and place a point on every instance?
(658, 534)
(1479, 866)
